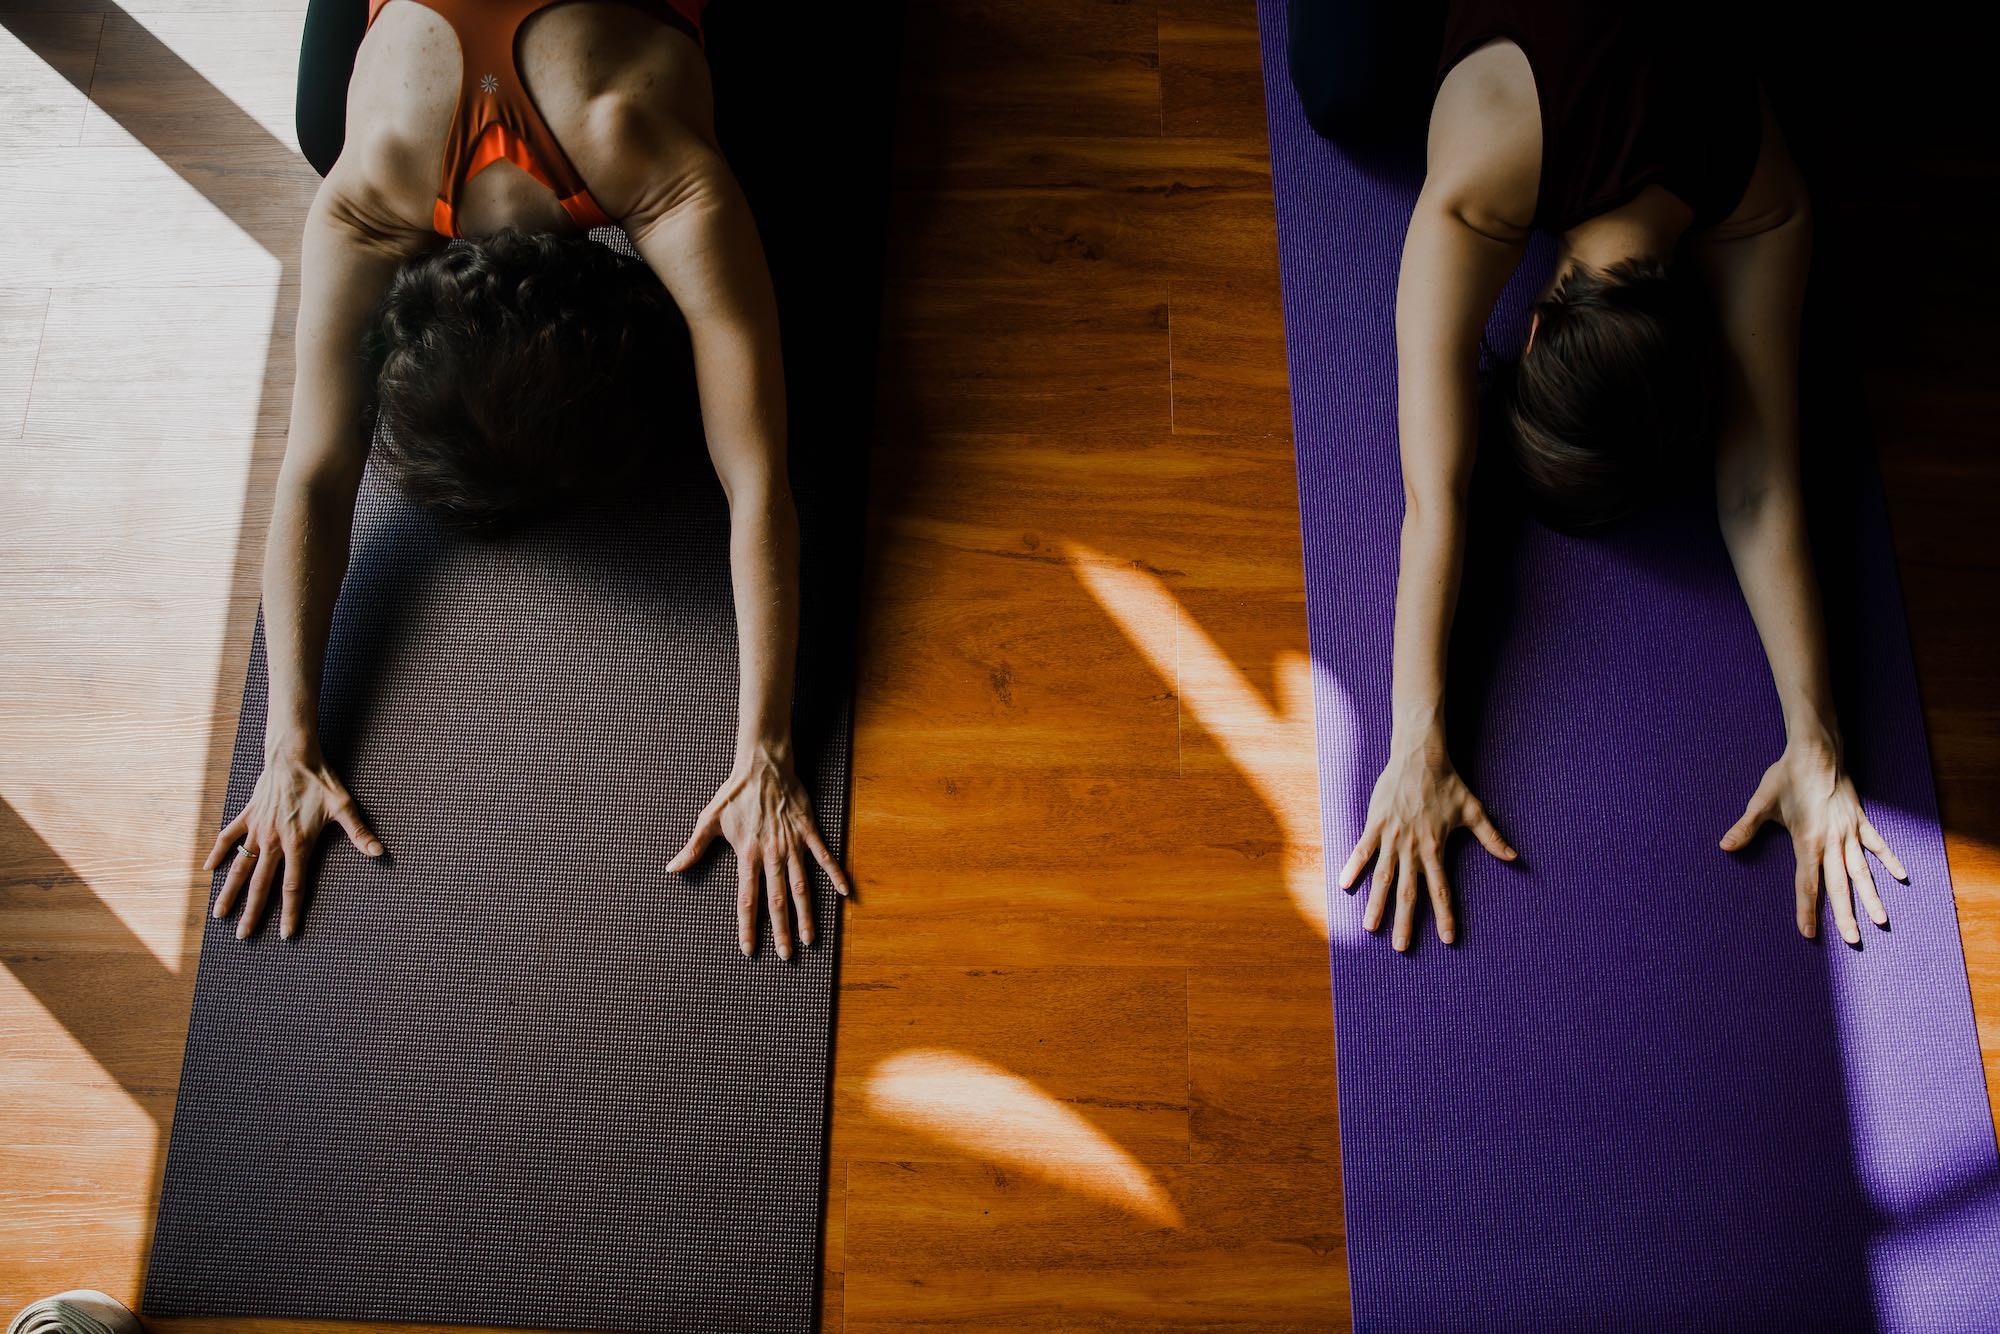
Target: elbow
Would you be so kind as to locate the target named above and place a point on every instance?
(1738, 505)
(762, 500)
(1750, 505)
(319, 486)
(1432, 508)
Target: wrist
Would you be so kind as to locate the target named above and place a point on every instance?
(291, 747)
(1812, 732)
(758, 751)
(1417, 733)
(1813, 745)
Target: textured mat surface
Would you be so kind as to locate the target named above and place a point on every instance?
(515, 1073)
(1632, 1097)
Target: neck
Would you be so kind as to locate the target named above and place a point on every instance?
(1649, 227)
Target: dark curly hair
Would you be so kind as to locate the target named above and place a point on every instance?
(516, 370)
(1614, 402)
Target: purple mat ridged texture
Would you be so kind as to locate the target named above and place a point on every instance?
(1632, 1097)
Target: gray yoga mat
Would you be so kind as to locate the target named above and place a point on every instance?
(514, 1072)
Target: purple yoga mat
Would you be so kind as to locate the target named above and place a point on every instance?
(1632, 1096)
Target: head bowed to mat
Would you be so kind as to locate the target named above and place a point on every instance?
(515, 1073)
(1632, 1097)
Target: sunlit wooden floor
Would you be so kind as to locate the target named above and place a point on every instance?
(1084, 1055)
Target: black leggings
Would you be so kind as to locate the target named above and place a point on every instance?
(1365, 70)
(333, 33)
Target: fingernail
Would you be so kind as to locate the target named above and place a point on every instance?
(746, 948)
(374, 849)
(1447, 935)
(284, 933)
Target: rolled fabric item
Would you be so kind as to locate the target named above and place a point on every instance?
(84, 1311)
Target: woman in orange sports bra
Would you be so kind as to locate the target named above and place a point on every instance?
(467, 147)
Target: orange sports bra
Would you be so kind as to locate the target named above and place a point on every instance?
(495, 118)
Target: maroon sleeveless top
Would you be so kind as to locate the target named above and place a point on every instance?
(1633, 93)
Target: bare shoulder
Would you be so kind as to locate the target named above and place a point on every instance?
(627, 95)
(399, 104)
(1484, 161)
(1775, 203)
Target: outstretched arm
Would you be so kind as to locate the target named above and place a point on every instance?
(349, 256)
(1466, 236)
(695, 230)
(1451, 275)
(1755, 264)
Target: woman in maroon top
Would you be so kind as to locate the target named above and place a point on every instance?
(508, 362)
(1666, 340)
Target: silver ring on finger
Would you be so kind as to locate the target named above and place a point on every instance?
(246, 851)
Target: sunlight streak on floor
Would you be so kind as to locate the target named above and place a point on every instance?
(973, 1107)
(1227, 706)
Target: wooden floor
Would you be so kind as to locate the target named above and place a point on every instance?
(1084, 1056)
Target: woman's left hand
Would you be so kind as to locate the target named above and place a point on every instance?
(1809, 793)
(763, 811)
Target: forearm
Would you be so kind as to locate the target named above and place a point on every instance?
(349, 255)
(1759, 500)
(1450, 276)
(1755, 266)
(1768, 545)
(305, 558)
(1427, 580)
(764, 569)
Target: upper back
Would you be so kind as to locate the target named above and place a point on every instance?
(599, 75)
(1628, 94)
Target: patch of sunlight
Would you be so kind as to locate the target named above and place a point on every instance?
(977, 1108)
(1264, 741)
(40, 104)
(248, 57)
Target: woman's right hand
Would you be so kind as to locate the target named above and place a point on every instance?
(296, 797)
(1419, 801)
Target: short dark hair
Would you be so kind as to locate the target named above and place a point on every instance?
(1614, 401)
(513, 371)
